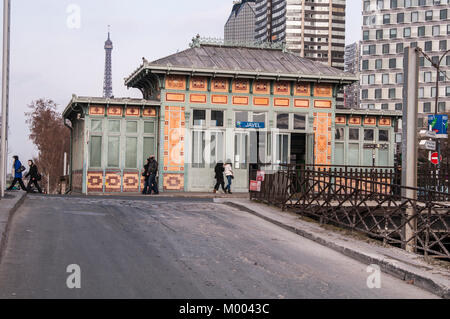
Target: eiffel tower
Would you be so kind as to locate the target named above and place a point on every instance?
(107, 85)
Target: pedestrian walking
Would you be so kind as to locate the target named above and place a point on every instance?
(219, 169)
(34, 177)
(146, 176)
(230, 176)
(153, 173)
(18, 168)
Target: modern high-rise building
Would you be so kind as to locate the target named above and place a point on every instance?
(316, 30)
(388, 27)
(312, 29)
(352, 58)
(240, 26)
(270, 21)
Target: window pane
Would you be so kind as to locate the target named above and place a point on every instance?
(149, 127)
(148, 149)
(368, 135)
(353, 134)
(259, 117)
(353, 154)
(367, 157)
(339, 134)
(131, 153)
(132, 127)
(339, 154)
(283, 121)
(113, 151)
(299, 122)
(198, 148)
(383, 136)
(241, 117)
(217, 118)
(96, 125)
(114, 126)
(383, 157)
(199, 117)
(96, 151)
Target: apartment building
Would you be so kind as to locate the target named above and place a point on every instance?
(388, 27)
(352, 62)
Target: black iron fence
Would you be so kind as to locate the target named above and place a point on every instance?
(369, 200)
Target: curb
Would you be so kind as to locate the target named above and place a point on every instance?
(386, 266)
(4, 236)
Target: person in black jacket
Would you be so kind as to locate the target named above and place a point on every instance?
(34, 177)
(219, 169)
(146, 175)
(153, 172)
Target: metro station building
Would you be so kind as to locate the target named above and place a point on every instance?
(214, 103)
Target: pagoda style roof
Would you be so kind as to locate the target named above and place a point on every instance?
(238, 61)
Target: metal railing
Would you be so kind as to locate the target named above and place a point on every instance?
(368, 200)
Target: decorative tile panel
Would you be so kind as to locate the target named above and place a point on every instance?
(173, 182)
(219, 85)
(97, 110)
(261, 101)
(322, 125)
(355, 120)
(385, 122)
(95, 182)
(301, 103)
(133, 111)
(261, 87)
(302, 89)
(198, 84)
(131, 182)
(149, 112)
(115, 111)
(174, 137)
(370, 121)
(241, 86)
(174, 82)
(323, 90)
(282, 88)
(175, 97)
(198, 98)
(341, 120)
(219, 99)
(282, 102)
(322, 104)
(113, 181)
(240, 100)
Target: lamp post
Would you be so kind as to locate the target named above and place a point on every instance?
(5, 93)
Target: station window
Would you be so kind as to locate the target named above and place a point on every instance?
(114, 126)
(149, 127)
(217, 118)
(132, 127)
(131, 152)
(383, 136)
(113, 151)
(353, 134)
(340, 134)
(96, 126)
(283, 121)
(96, 151)
(299, 122)
(368, 135)
(199, 117)
(241, 116)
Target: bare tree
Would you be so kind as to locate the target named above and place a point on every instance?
(51, 138)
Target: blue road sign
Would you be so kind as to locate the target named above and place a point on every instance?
(439, 124)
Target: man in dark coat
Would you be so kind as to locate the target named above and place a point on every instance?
(153, 172)
(219, 169)
(17, 170)
(146, 175)
(34, 177)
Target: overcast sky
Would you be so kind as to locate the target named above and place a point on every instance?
(53, 57)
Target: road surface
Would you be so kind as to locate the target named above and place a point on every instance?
(172, 248)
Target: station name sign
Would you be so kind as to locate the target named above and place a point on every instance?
(257, 125)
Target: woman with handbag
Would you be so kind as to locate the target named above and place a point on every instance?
(34, 177)
(230, 176)
(18, 168)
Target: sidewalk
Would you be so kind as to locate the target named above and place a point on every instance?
(203, 195)
(8, 207)
(394, 261)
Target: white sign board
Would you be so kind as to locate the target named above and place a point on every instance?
(427, 145)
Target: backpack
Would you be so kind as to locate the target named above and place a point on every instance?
(38, 177)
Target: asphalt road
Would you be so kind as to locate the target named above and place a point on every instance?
(172, 249)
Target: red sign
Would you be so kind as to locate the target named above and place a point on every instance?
(255, 186)
(435, 158)
(260, 176)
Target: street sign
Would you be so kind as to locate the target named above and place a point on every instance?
(439, 124)
(427, 145)
(435, 158)
(257, 125)
(427, 134)
(255, 186)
